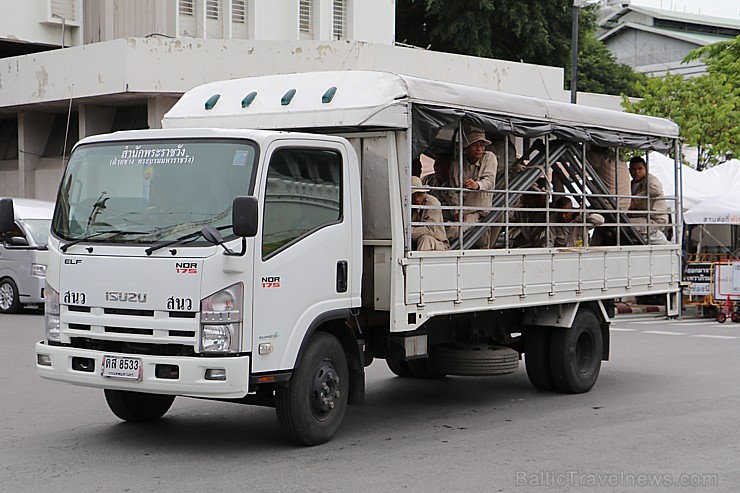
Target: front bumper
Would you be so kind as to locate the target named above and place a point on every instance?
(190, 382)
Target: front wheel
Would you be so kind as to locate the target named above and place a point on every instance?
(311, 406)
(137, 407)
(10, 301)
(575, 354)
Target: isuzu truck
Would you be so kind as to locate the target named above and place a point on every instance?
(260, 248)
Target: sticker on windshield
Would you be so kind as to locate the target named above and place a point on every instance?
(240, 158)
(135, 155)
(148, 172)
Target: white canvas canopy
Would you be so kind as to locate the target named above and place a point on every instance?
(720, 209)
(698, 186)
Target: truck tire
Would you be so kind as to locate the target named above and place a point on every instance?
(137, 407)
(10, 301)
(575, 354)
(473, 360)
(399, 367)
(537, 357)
(311, 406)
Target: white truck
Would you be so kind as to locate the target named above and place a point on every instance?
(258, 249)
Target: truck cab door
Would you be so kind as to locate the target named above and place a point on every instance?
(303, 250)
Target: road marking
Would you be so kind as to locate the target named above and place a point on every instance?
(710, 322)
(620, 329)
(708, 336)
(665, 332)
(651, 322)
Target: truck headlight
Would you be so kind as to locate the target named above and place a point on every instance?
(221, 320)
(38, 270)
(51, 314)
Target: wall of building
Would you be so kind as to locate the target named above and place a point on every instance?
(651, 53)
(32, 21)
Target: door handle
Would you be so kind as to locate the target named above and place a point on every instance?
(342, 276)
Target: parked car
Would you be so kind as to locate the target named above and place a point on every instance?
(23, 255)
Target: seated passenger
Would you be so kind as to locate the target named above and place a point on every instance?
(569, 230)
(530, 236)
(479, 173)
(648, 186)
(429, 237)
(440, 178)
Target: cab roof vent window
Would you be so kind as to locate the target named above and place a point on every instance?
(329, 95)
(287, 97)
(248, 99)
(212, 102)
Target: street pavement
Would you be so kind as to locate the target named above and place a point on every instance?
(662, 417)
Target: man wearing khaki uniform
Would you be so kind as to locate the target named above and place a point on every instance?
(428, 237)
(479, 173)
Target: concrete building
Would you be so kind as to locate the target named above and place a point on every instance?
(126, 62)
(655, 41)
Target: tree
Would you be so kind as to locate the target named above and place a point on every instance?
(532, 31)
(706, 108)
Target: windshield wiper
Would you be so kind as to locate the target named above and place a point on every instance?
(114, 232)
(189, 236)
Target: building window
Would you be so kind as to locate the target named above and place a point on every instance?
(305, 17)
(212, 9)
(64, 9)
(187, 7)
(239, 11)
(339, 16)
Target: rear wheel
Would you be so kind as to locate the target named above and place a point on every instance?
(137, 407)
(575, 354)
(721, 317)
(10, 301)
(311, 406)
(537, 357)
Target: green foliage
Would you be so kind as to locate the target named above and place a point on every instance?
(532, 31)
(706, 108)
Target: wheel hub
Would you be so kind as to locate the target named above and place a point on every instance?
(6, 296)
(325, 391)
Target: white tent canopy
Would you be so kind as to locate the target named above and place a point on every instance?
(699, 186)
(720, 209)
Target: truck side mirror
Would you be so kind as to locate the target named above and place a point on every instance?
(7, 215)
(245, 216)
(18, 241)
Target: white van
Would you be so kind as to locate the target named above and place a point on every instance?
(23, 255)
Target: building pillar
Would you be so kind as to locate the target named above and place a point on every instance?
(95, 120)
(157, 106)
(33, 134)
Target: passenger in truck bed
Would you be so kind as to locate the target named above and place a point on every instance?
(569, 231)
(650, 199)
(431, 236)
(527, 236)
(479, 173)
(441, 178)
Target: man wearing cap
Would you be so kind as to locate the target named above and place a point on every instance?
(479, 173)
(427, 237)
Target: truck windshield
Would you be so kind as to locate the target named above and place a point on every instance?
(152, 191)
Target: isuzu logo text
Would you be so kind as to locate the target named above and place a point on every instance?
(130, 296)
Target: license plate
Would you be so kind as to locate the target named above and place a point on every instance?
(121, 367)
